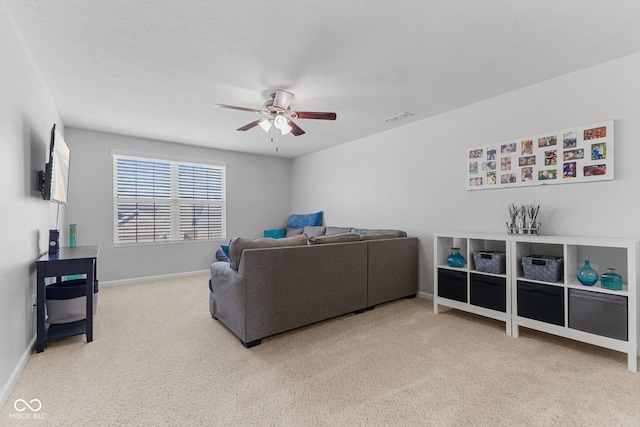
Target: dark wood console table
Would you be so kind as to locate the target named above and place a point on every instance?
(67, 262)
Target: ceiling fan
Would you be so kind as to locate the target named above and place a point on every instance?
(277, 112)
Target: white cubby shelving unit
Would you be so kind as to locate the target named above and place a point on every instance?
(590, 314)
(460, 294)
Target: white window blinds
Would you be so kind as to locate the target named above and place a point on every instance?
(163, 201)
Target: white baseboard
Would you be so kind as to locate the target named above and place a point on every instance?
(13, 378)
(425, 295)
(151, 278)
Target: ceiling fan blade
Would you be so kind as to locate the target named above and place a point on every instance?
(314, 115)
(233, 107)
(295, 129)
(282, 100)
(251, 125)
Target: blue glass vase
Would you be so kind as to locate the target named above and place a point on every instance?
(455, 259)
(587, 275)
(611, 280)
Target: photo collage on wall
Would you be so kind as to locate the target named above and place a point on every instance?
(579, 154)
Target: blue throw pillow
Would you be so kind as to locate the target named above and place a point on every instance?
(303, 220)
(225, 249)
(220, 256)
(277, 233)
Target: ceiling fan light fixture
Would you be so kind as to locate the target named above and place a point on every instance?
(281, 100)
(280, 122)
(285, 129)
(265, 125)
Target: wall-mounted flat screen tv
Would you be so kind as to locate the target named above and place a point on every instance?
(55, 182)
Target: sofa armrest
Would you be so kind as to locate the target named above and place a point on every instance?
(392, 269)
(229, 298)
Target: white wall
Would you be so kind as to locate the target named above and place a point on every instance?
(27, 114)
(258, 197)
(413, 177)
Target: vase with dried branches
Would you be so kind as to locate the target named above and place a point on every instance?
(523, 219)
(532, 225)
(514, 213)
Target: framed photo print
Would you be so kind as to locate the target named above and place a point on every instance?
(578, 154)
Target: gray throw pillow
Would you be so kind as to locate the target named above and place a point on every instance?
(314, 230)
(290, 232)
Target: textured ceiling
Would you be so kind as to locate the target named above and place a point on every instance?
(155, 68)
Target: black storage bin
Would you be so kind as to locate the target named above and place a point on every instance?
(599, 313)
(66, 301)
(452, 284)
(541, 302)
(489, 292)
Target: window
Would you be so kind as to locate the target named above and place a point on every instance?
(167, 201)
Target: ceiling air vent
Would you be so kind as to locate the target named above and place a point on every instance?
(397, 117)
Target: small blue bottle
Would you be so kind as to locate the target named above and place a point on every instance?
(72, 235)
(611, 280)
(455, 259)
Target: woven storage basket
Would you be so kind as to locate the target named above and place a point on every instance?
(490, 261)
(543, 268)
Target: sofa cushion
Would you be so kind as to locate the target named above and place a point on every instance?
(302, 220)
(382, 234)
(379, 230)
(337, 230)
(335, 238)
(240, 244)
(277, 233)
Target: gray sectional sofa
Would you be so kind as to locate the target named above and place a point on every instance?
(275, 285)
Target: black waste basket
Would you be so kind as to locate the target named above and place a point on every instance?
(66, 300)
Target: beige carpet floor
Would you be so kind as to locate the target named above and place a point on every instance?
(159, 359)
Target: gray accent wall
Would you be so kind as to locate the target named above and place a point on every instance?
(27, 114)
(413, 177)
(258, 197)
